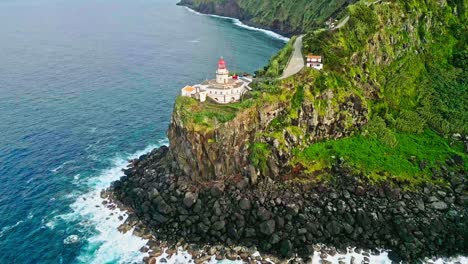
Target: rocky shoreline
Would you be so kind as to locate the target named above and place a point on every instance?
(287, 220)
(231, 9)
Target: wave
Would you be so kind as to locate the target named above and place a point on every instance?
(106, 244)
(239, 23)
(10, 227)
(382, 258)
(55, 170)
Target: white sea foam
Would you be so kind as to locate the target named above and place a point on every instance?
(5, 229)
(237, 22)
(76, 178)
(382, 258)
(51, 224)
(71, 239)
(108, 245)
(55, 170)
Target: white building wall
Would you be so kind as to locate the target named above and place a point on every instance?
(202, 96)
(315, 65)
(225, 96)
(222, 76)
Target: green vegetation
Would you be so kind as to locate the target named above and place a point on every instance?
(259, 153)
(378, 161)
(207, 115)
(278, 62)
(403, 62)
(410, 66)
(285, 16)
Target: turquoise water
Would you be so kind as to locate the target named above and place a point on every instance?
(84, 85)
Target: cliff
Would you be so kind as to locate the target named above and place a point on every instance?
(221, 152)
(285, 17)
(393, 75)
(370, 152)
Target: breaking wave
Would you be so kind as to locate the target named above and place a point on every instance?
(237, 22)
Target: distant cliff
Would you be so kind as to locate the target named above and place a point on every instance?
(284, 16)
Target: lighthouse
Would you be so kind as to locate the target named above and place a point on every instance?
(222, 73)
(222, 90)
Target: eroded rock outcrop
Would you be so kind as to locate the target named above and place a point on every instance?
(222, 152)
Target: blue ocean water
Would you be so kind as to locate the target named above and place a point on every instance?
(85, 85)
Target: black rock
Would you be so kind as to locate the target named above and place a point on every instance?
(301, 231)
(163, 207)
(267, 227)
(286, 248)
(360, 191)
(249, 232)
(232, 233)
(263, 214)
(439, 205)
(244, 204)
(216, 191)
(292, 209)
(190, 199)
(218, 225)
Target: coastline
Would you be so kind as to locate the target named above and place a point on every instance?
(242, 24)
(173, 199)
(169, 196)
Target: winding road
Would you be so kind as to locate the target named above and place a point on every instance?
(296, 62)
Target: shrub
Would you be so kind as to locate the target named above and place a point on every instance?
(410, 121)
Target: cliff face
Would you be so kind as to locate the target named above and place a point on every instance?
(285, 17)
(215, 154)
(397, 61)
(308, 124)
(234, 148)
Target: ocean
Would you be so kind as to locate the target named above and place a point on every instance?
(84, 86)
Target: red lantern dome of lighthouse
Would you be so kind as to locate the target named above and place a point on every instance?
(221, 64)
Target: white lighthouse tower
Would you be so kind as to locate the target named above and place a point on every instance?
(222, 74)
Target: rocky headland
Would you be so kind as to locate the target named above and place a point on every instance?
(369, 153)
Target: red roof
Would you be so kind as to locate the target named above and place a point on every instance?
(221, 64)
(310, 56)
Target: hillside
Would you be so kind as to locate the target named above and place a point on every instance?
(285, 17)
(370, 152)
(394, 84)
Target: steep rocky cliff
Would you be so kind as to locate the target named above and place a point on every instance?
(284, 16)
(235, 147)
(219, 153)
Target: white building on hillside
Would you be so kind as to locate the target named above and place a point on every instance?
(314, 61)
(224, 89)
